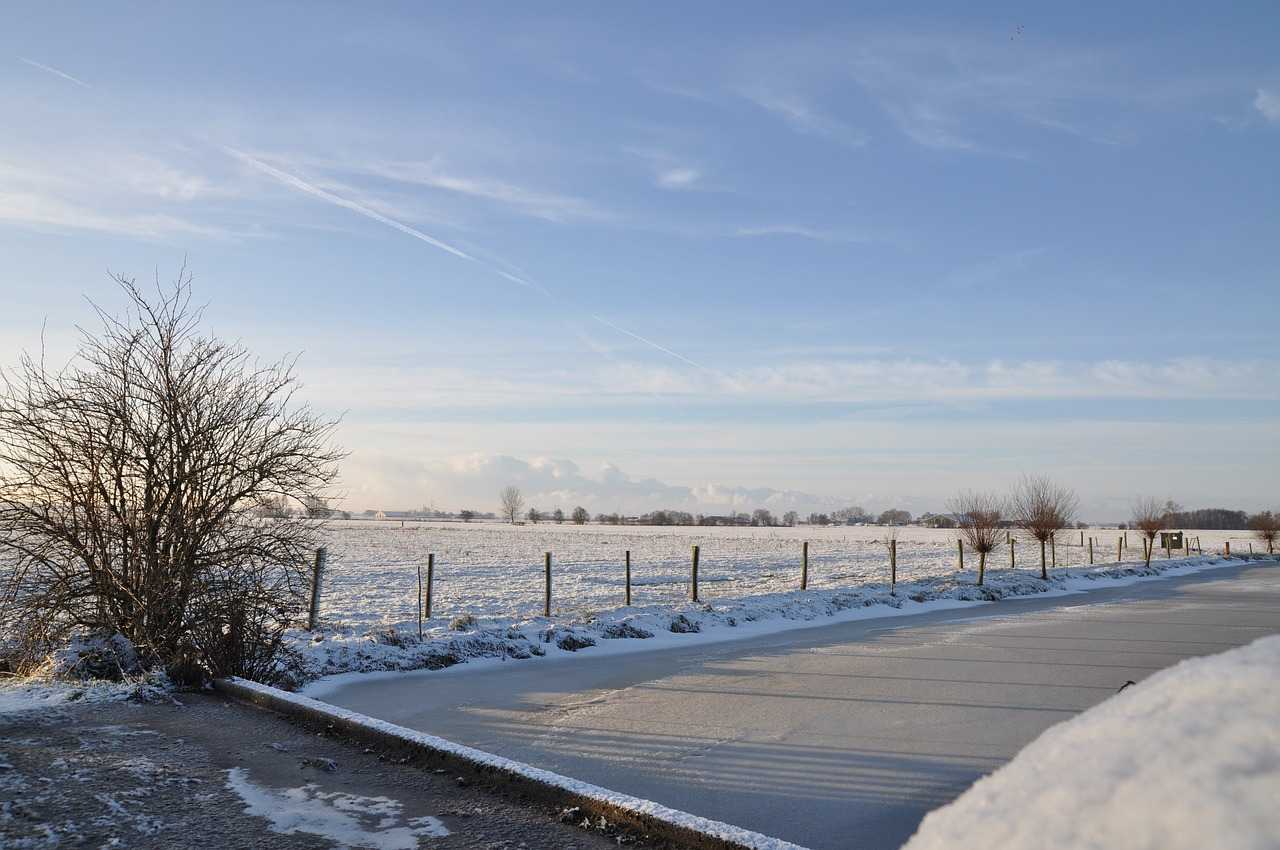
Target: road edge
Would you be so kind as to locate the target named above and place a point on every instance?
(506, 775)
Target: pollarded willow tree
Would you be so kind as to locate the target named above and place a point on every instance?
(979, 515)
(1149, 518)
(1042, 509)
(132, 482)
(1266, 527)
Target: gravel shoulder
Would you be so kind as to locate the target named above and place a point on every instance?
(215, 773)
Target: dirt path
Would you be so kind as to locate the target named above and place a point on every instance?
(217, 774)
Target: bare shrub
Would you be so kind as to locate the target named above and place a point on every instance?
(132, 482)
(1266, 527)
(1148, 516)
(979, 515)
(1042, 508)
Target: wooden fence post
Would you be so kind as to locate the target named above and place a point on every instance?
(546, 599)
(419, 602)
(1013, 551)
(960, 545)
(693, 586)
(1091, 551)
(1119, 549)
(628, 576)
(1227, 548)
(893, 566)
(431, 568)
(317, 573)
(1082, 538)
(804, 565)
(1053, 549)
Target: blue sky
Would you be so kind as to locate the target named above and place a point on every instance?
(731, 255)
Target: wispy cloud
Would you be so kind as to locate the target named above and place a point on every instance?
(295, 182)
(678, 178)
(40, 210)
(670, 170)
(1268, 104)
(52, 70)
(816, 234)
(804, 118)
(550, 206)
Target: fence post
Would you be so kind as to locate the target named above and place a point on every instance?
(1227, 548)
(1013, 549)
(317, 573)
(419, 601)
(893, 566)
(1091, 551)
(804, 565)
(431, 568)
(546, 601)
(1053, 549)
(960, 544)
(1119, 549)
(1082, 538)
(628, 576)
(693, 586)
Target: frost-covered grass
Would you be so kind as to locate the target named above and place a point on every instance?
(1189, 758)
(748, 582)
(40, 692)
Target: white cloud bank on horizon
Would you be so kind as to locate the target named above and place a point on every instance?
(474, 480)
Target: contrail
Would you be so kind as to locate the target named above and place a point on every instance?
(303, 186)
(53, 70)
(651, 343)
(315, 191)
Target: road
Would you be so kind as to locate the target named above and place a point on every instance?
(840, 736)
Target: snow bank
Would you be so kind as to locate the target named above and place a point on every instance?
(18, 696)
(336, 650)
(1189, 758)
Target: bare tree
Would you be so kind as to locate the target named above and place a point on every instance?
(1042, 508)
(558, 515)
(132, 482)
(1149, 518)
(979, 515)
(1266, 527)
(512, 501)
(580, 515)
(534, 515)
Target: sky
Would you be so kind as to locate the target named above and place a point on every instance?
(696, 256)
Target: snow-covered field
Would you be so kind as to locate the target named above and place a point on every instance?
(1189, 758)
(748, 581)
(493, 570)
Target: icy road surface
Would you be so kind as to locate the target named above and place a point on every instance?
(835, 736)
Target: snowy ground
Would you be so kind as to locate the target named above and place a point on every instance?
(1189, 759)
(748, 585)
(841, 734)
(496, 569)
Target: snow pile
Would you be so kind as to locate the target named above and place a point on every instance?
(338, 649)
(38, 693)
(1190, 758)
(348, 820)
